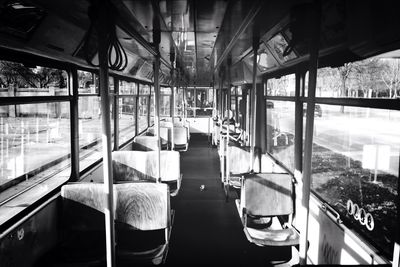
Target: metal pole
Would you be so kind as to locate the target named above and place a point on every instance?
(116, 113)
(307, 171)
(253, 100)
(173, 117)
(298, 135)
(157, 39)
(106, 135)
(173, 78)
(74, 126)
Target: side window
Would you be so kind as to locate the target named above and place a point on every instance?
(89, 114)
(34, 138)
(127, 110)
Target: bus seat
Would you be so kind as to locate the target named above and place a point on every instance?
(239, 164)
(143, 222)
(130, 166)
(239, 159)
(83, 232)
(164, 132)
(264, 197)
(141, 166)
(164, 135)
(269, 165)
(181, 138)
(145, 143)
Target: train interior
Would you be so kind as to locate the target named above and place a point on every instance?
(188, 132)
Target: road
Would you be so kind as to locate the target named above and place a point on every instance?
(348, 133)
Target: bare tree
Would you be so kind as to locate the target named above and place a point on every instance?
(390, 76)
(366, 74)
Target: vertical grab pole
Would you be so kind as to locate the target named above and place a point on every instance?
(156, 40)
(116, 113)
(253, 101)
(106, 127)
(228, 108)
(74, 126)
(312, 83)
(173, 79)
(298, 136)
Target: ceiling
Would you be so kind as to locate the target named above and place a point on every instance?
(207, 37)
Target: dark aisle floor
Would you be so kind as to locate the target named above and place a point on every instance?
(207, 230)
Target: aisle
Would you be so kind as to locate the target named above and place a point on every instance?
(207, 230)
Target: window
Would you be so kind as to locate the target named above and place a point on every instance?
(356, 158)
(280, 131)
(165, 101)
(284, 86)
(178, 102)
(34, 138)
(90, 125)
(370, 78)
(204, 102)
(127, 111)
(190, 102)
(199, 102)
(277, 46)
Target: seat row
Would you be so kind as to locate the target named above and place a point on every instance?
(141, 212)
(174, 138)
(265, 200)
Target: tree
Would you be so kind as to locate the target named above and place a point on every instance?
(366, 74)
(390, 76)
(18, 75)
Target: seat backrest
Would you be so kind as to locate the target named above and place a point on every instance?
(130, 166)
(141, 165)
(164, 132)
(239, 160)
(83, 206)
(143, 206)
(145, 143)
(180, 135)
(268, 194)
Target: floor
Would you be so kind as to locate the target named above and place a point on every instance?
(207, 229)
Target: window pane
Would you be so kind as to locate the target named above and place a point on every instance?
(165, 105)
(88, 83)
(111, 84)
(127, 88)
(143, 113)
(356, 157)
(18, 80)
(127, 118)
(35, 139)
(284, 86)
(90, 129)
(165, 91)
(144, 89)
(204, 100)
(152, 109)
(278, 45)
(190, 102)
(370, 78)
(280, 131)
(178, 102)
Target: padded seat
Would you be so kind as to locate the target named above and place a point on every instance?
(142, 222)
(164, 135)
(238, 160)
(142, 209)
(181, 138)
(141, 166)
(267, 195)
(145, 143)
